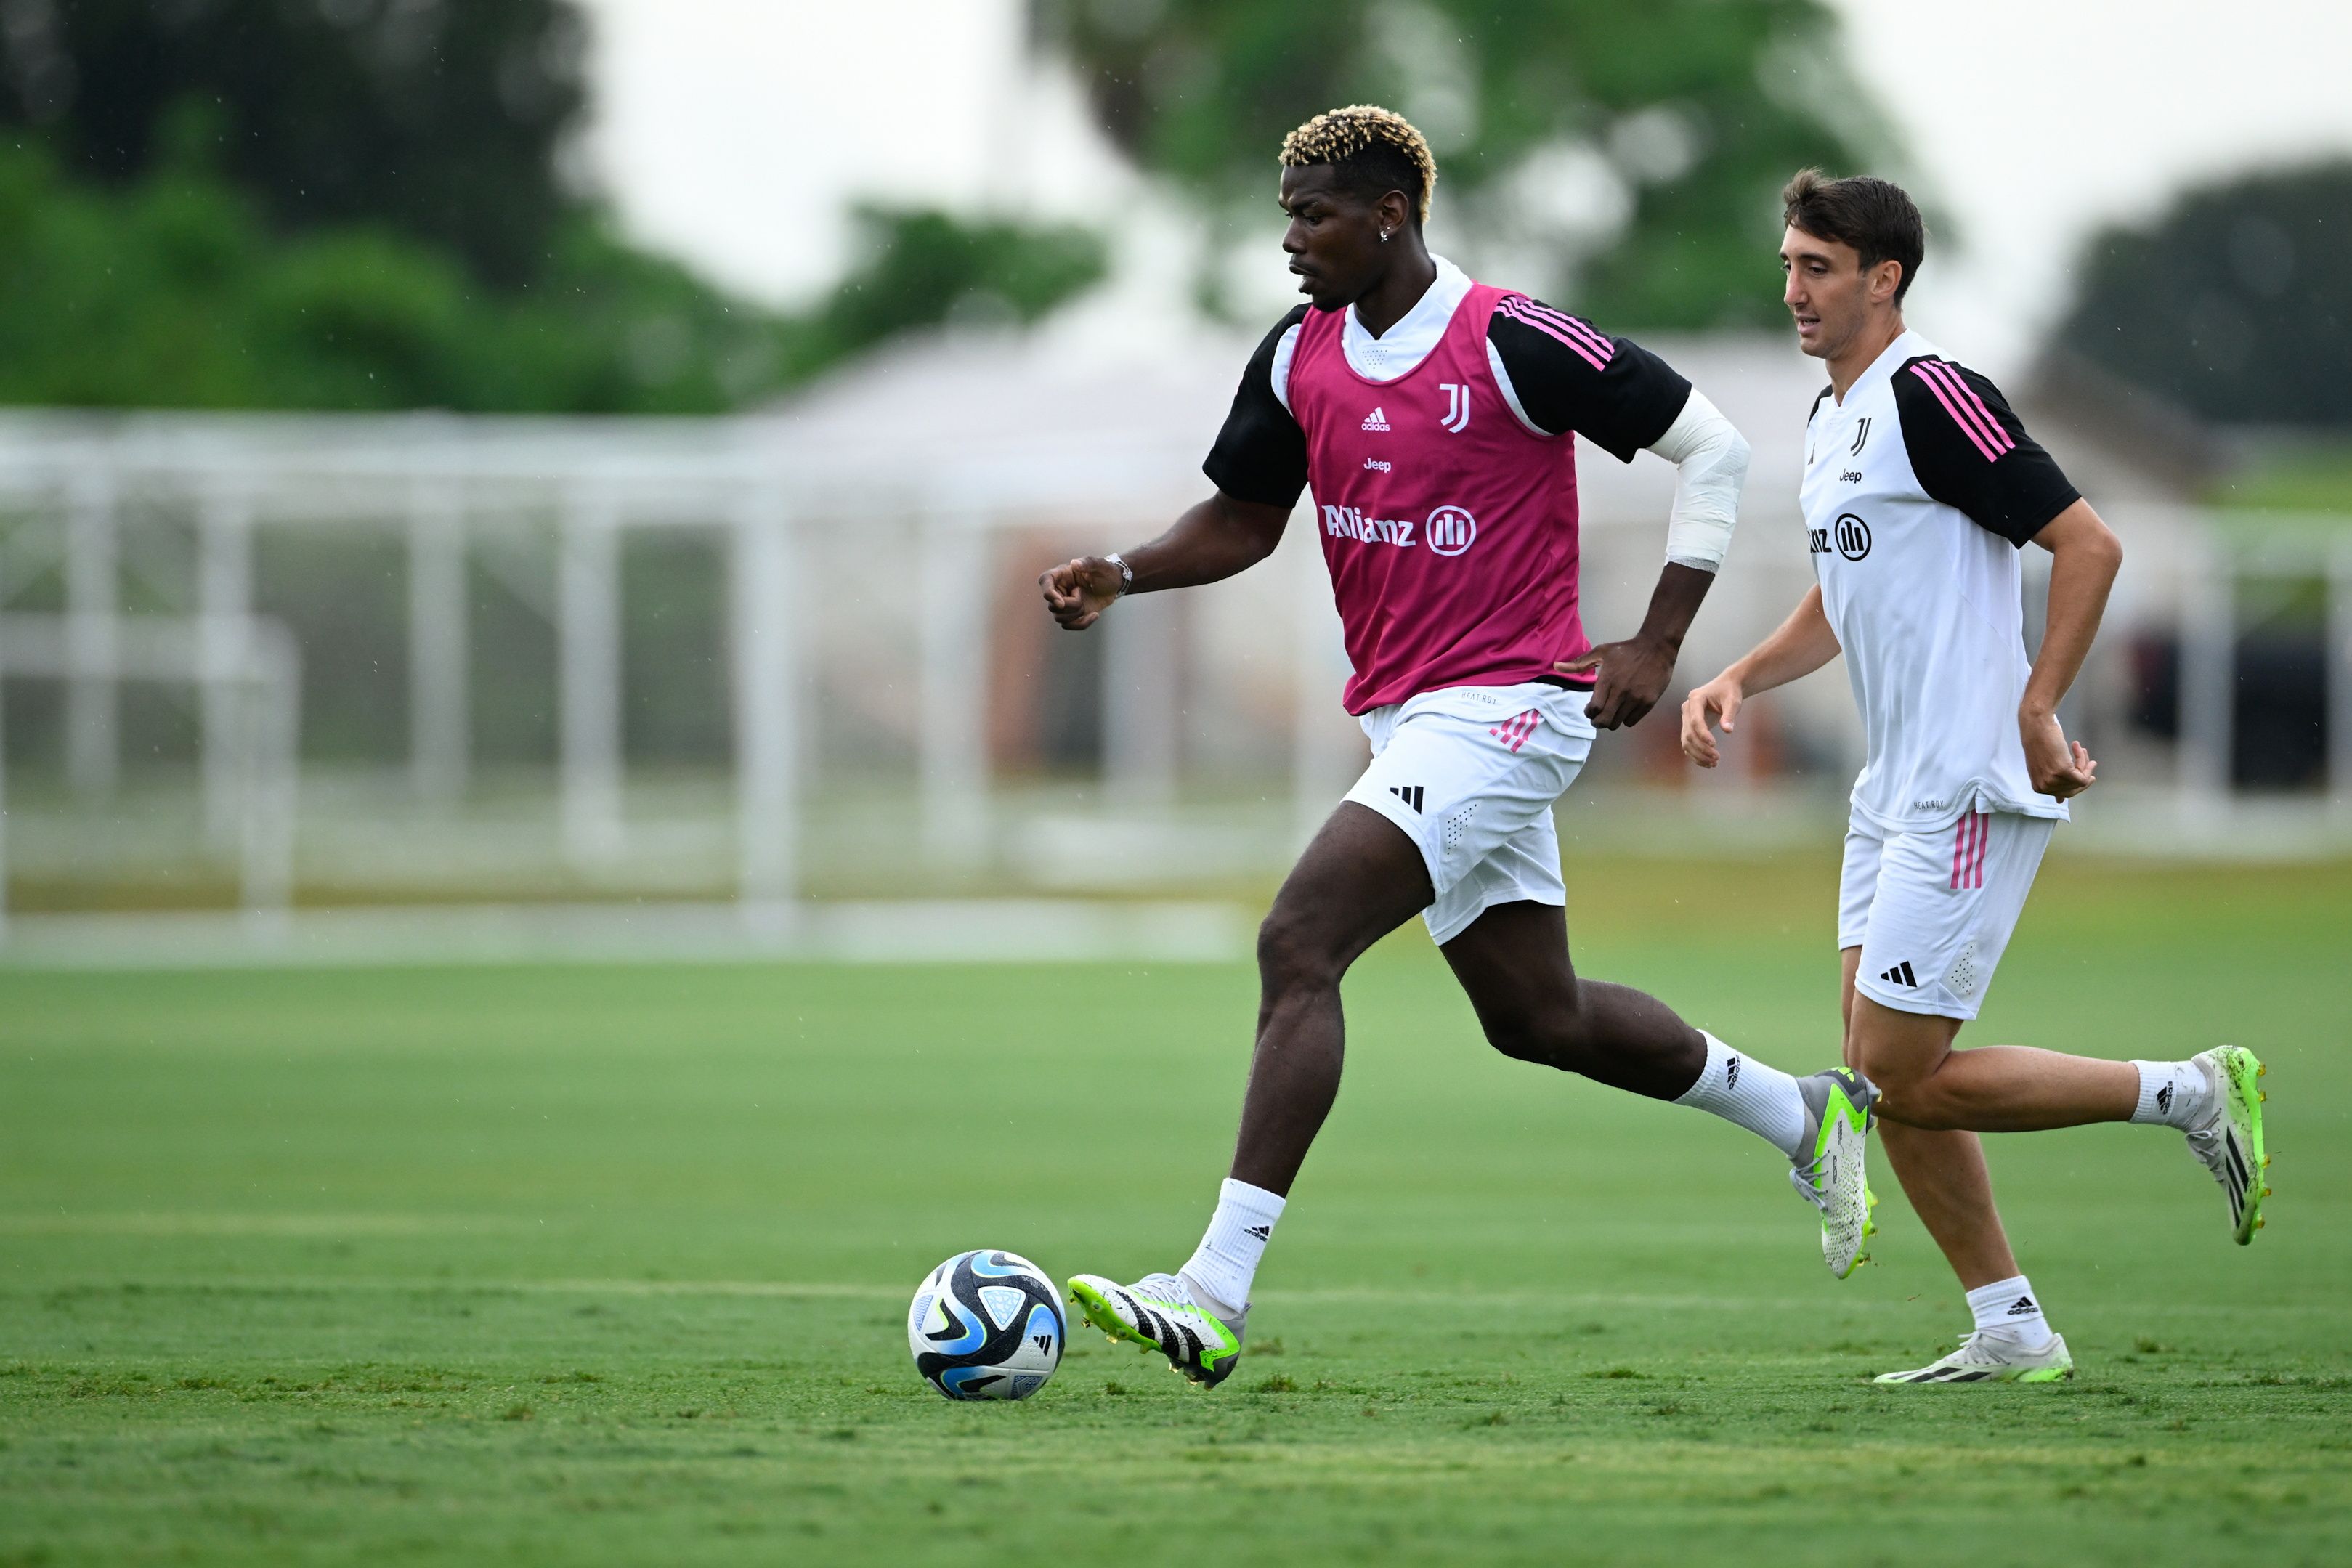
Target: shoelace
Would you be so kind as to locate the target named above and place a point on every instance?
(1166, 1286)
(1808, 1181)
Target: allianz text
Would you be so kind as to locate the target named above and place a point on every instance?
(1350, 523)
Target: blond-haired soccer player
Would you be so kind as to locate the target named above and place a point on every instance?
(1435, 418)
(1920, 489)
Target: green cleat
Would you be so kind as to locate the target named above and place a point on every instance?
(1158, 1313)
(1838, 1115)
(2230, 1141)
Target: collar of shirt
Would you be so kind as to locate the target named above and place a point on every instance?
(1397, 350)
(1907, 345)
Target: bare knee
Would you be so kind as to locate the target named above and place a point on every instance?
(1910, 1093)
(1906, 1055)
(1292, 957)
(1557, 1036)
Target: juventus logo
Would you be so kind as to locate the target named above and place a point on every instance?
(1861, 434)
(1457, 405)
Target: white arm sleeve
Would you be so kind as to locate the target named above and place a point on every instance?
(1710, 458)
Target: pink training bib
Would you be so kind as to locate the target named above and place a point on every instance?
(1449, 527)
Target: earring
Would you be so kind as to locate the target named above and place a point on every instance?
(1384, 236)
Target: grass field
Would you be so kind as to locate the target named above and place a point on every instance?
(590, 1266)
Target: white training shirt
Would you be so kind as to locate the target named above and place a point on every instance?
(1919, 490)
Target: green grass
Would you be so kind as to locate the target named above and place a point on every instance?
(584, 1266)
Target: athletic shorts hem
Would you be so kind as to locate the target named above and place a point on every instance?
(1456, 922)
(1923, 1007)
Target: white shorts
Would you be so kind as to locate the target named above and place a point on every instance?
(1932, 912)
(1470, 774)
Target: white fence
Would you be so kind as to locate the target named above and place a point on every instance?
(809, 528)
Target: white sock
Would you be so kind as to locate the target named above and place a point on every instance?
(1742, 1090)
(2009, 1307)
(2173, 1094)
(1225, 1262)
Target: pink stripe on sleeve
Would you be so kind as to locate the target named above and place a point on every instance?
(1957, 417)
(1970, 400)
(1969, 405)
(1961, 385)
(1550, 331)
(1965, 400)
(1593, 338)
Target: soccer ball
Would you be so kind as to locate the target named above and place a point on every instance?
(986, 1325)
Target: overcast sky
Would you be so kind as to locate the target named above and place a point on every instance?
(731, 132)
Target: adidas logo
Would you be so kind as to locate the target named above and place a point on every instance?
(1260, 1231)
(1731, 1074)
(1377, 420)
(1900, 975)
(2164, 1100)
(1044, 1342)
(2021, 1307)
(1408, 793)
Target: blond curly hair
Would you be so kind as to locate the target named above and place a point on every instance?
(1342, 135)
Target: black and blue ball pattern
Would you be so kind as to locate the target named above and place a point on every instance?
(986, 1325)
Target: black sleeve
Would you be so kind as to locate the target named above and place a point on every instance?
(1970, 451)
(1570, 376)
(1261, 453)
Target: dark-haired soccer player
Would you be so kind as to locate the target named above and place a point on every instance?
(1920, 488)
(1433, 417)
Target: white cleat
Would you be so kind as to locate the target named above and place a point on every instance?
(1158, 1313)
(1833, 1176)
(2230, 1140)
(1992, 1358)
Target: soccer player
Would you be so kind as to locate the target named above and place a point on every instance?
(1920, 489)
(1434, 416)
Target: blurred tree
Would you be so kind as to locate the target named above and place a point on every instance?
(2236, 304)
(441, 118)
(172, 291)
(919, 268)
(1659, 133)
(360, 205)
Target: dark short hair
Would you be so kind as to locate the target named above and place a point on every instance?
(1371, 150)
(1877, 217)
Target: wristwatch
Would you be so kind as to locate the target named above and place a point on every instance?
(1126, 573)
